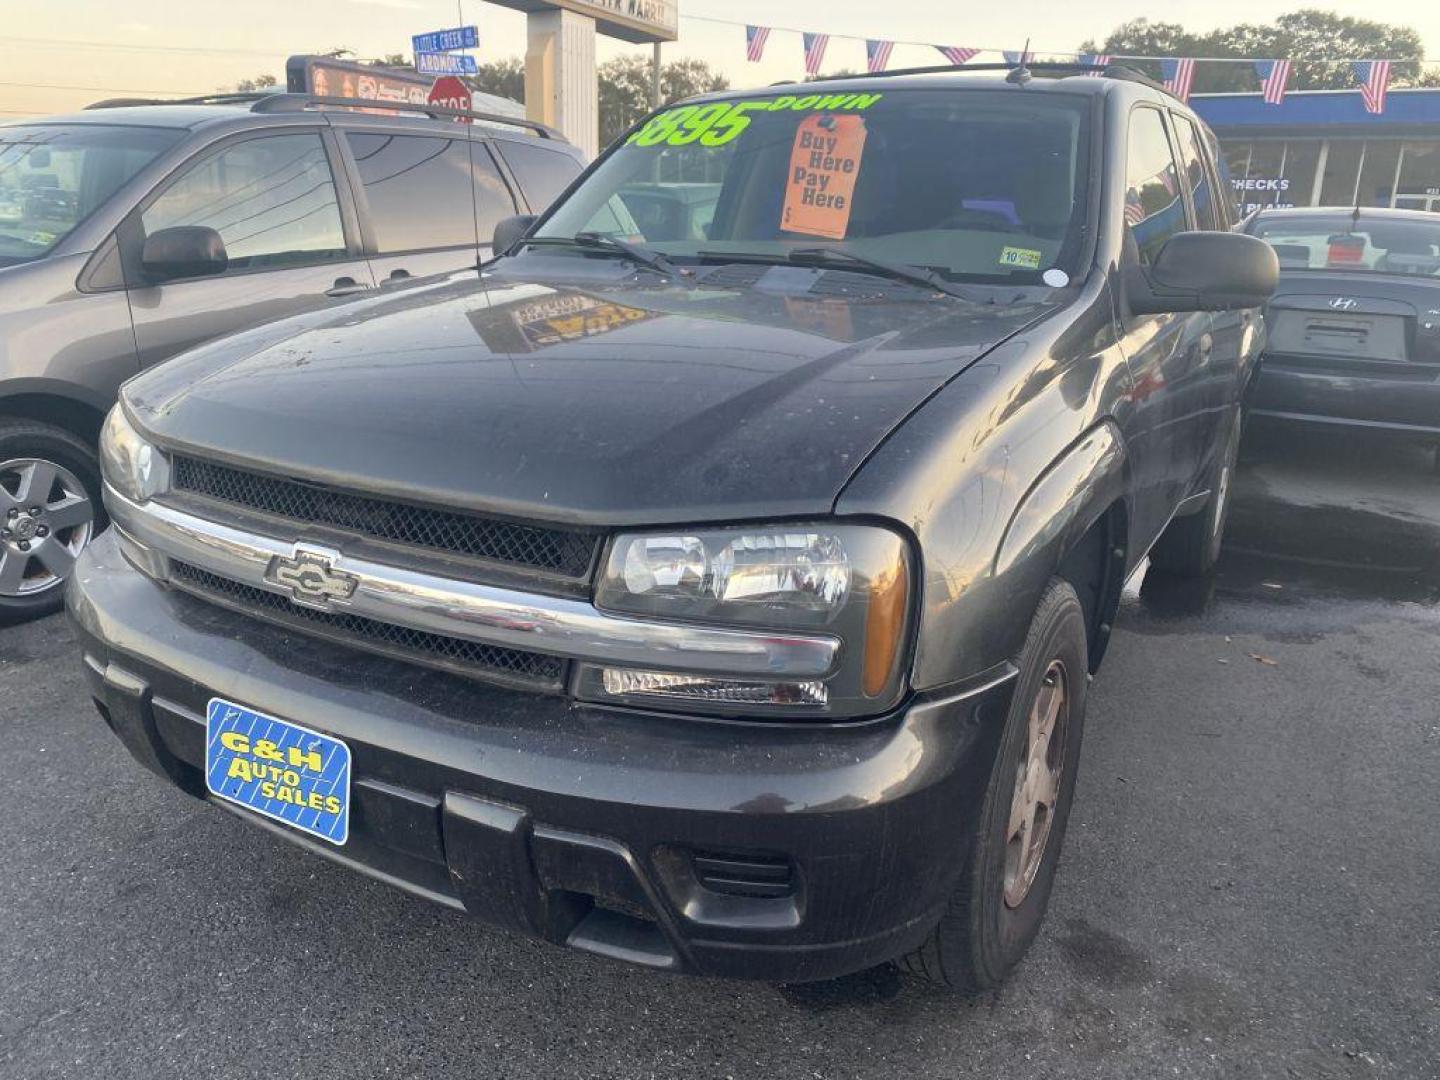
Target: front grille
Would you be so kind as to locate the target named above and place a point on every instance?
(512, 667)
(559, 551)
(761, 877)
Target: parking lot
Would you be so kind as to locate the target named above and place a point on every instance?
(1247, 888)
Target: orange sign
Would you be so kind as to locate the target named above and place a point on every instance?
(823, 167)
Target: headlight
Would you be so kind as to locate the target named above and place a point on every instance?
(848, 581)
(132, 466)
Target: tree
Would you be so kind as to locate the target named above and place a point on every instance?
(1306, 37)
(625, 89)
(504, 77)
(250, 86)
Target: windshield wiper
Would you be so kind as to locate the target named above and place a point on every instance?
(835, 258)
(915, 275)
(593, 241)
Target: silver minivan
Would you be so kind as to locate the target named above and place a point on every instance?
(131, 233)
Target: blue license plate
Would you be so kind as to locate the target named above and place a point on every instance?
(278, 769)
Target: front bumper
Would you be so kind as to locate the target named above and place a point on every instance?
(752, 850)
(1402, 398)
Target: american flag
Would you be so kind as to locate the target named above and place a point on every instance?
(1134, 208)
(1179, 76)
(877, 55)
(815, 52)
(1099, 60)
(1374, 76)
(1274, 74)
(957, 55)
(755, 39)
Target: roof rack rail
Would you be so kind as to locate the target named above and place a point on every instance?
(272, 101)
(1109, 71)
(282, 103)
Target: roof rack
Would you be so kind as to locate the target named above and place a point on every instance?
(1109, 71)
(263, 101)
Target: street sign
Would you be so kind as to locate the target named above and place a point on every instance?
(461, 37)
(450, 93)
(435, 63)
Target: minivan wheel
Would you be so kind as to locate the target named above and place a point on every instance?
(1000, 900)
(49, 510)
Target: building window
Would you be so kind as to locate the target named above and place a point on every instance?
(1342, 167)
(1419, 187)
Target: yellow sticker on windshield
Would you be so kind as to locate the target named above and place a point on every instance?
(1027, 258)
(720, 122)
(824, 164)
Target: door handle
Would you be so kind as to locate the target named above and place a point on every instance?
(346, 286)
(398, 275)
(1206, 344)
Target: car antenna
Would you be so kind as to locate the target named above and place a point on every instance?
(1020, 73)
(1355, 218)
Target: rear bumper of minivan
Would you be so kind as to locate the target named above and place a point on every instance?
(1400, 398)
(740, 849)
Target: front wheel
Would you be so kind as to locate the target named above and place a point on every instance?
(49, 510)
(1000, 900)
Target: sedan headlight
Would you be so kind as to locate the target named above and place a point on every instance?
(850, 582)
(132, 466)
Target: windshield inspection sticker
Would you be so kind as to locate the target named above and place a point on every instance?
(722, 121)
(824, 165)
(1025, 258)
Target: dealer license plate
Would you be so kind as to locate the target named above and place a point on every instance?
(278, 769)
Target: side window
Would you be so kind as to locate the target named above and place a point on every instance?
(1196, 175)
(493, 201)
(271, 199)
(417, 188)
(543, 173)
(1154, 210)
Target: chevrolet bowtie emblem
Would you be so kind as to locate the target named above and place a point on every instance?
(311, 577)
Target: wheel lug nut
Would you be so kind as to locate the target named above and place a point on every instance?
(13, 513)
(42, 530)
(24, 545)
(34, 510)
(4, 534)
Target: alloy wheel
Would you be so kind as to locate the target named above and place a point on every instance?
(1037, 784)
(46, 518)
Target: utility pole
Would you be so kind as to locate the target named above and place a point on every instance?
(655, 78)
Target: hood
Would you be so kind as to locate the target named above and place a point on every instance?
(609, 402)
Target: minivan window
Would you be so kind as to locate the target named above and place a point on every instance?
(974, 184)
(418, 189)
(543, 174)
(1199, 179)
(271, 199)
(1154, 210)
(52, 178)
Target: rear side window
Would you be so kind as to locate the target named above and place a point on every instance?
(417, 188)
(1196, 175)
(271, 199)
(1154, 210)
(543, 173)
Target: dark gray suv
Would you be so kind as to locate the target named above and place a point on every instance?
(129, 234)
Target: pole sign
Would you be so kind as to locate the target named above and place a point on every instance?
(434, 63)
(439, 41)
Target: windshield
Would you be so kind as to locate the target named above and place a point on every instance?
(984, 185)
(52, 178)
(1340, 241)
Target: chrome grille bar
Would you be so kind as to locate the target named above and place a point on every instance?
(556, 626)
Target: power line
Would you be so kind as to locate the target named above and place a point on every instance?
(1063, 52)
(69, 44)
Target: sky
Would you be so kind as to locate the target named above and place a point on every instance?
(56, 56)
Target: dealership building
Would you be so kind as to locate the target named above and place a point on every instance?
(1321, 148)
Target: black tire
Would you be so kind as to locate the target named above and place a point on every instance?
(1190, 546)
(33, 440)
(986, 931)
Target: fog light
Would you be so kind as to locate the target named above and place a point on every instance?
(627, 683)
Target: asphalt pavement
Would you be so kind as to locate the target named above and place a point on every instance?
(1249, 886)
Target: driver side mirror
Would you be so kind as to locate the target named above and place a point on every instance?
(510, 232)
(1203, 271)
(184, 251)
